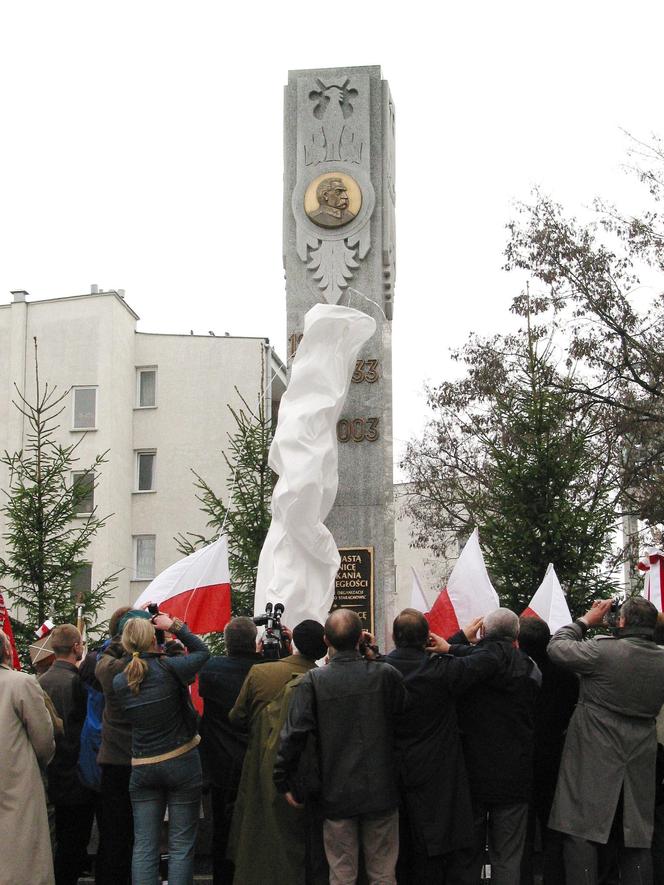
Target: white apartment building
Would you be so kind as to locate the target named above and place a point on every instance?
(157, 403)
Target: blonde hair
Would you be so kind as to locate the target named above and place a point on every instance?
(137, 636)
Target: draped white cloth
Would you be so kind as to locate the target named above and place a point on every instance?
(299, 559)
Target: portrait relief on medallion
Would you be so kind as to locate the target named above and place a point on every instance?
(332, 199)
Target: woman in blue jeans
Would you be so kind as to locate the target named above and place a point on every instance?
(166, 769)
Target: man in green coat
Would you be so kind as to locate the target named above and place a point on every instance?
(605, 795)
(268, 838)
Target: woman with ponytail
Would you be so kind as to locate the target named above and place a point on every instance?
(166, 770)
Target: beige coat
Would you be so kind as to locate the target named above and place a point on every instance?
(611, 740)
(27, 743)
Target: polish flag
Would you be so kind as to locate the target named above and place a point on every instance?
(653, 584)
(418, 600)
(549, 603)
(6, 625)
(196, 589)
(469, 593)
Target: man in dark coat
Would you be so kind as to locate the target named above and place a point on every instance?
(436, 818)
(605, 796)
(74, 804)
(351, 706)
(222, 746)
(553, 710)
(496, 723)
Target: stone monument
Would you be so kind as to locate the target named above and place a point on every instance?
(339, 248)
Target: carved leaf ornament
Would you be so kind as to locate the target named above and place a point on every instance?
(333, 264)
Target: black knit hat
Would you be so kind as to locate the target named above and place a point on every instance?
(308, 638)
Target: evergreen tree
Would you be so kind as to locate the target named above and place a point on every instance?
(246, 518)
(514, 450)
(45, 539)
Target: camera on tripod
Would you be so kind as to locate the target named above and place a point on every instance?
(274, 640)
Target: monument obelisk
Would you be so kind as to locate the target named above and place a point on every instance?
(339, 248)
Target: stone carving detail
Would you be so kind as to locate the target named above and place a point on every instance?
(333, 140)
(389, 200)
(333, 230)
(333, 264)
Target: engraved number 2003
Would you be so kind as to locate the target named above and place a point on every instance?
(357, 429)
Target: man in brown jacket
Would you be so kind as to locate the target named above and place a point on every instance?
(265, 833)
(605, 796)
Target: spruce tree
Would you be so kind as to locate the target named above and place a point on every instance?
(45, 539)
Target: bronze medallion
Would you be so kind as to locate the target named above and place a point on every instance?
(333, 199)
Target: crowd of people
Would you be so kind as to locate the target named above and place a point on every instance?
(444, 761)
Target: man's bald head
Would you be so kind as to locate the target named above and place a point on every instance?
(410, 629)
(343, 629)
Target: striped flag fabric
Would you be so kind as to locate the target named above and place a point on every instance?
(469, 593)
(549, 603)
(653, 585)
(196, 589)
(6, 626)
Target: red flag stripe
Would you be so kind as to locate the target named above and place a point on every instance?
(205, 609)
(530, 613)
(442, 617)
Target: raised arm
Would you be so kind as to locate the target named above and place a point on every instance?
(184, 666)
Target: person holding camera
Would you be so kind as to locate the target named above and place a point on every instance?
(265, 831)
(166, 769)
(605, 796)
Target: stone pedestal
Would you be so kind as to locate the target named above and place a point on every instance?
(339, 247)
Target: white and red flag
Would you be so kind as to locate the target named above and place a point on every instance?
(6, 626)
(196, 589)
(653, 584)
(418, 600)
(549, 603)
(469, 593)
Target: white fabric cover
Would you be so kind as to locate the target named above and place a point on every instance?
(299, 559)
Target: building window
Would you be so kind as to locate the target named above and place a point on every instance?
(81, 581)
(83, 491)
(85, 408)
(146, 388)
(144, 548)
(145, 462)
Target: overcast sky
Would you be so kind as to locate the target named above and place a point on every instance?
(138, 139)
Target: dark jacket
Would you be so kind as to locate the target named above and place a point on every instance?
(64, 687)
(496, 720)
(115, 728)
(553, 710)
(222, 746)
(158, 715)
(434, 784)
(351, 706)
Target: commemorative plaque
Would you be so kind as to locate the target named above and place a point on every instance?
(354, 583)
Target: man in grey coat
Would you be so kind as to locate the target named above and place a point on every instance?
(605, 798)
